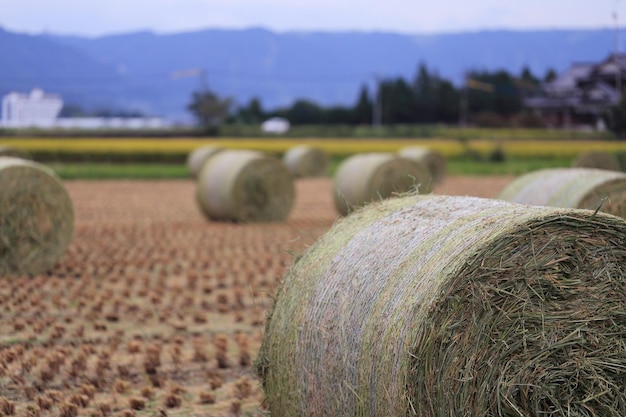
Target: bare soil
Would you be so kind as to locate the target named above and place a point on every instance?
(154, 309)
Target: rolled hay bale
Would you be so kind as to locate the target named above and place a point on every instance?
(597, 159)
(36, 217)
(306, 161)
(583, 188)
(434, 161)
(245, 186)
(6, 150)
(367, 177)
(198, 157)
(447, 305)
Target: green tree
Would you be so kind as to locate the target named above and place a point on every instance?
(252, 112)
(304, 112)
(398, 101)
(336, 115)
(436, 99)
(426, 95)
(363, 109)
(615, 118)
(449, 102)
(209, 109)
(550, 76)
(503, 100)
(527, 77)
(527, 83)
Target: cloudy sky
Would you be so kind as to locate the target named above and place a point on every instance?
(100, 17)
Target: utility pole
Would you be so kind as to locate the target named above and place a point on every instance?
(463, 107)
(377, 108)
(618, 71)
(204, 83)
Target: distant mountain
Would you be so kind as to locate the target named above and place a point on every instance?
(145, 71)
(36, 61)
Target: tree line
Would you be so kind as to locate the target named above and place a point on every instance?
(488, 98)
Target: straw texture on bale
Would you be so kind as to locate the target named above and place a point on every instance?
(198, 157)
(245, 186)
(367, 177)
(306, 161)
(597, 159)
(584, 188)
(453, 306)
(433, 160)
(36, 217)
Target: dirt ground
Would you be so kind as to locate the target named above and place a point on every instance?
(154, 309)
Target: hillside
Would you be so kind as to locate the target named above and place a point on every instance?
(137, 70)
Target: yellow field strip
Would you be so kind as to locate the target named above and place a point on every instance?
(448, 147)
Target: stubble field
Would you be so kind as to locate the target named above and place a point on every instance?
(155, 310)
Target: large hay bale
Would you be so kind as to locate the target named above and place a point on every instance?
(245, 186)
(453, 306)
(198, 157)
(584, 188)
(367, 177)
(306, 161)
(597, 159)
(433, 160)
(36, 217)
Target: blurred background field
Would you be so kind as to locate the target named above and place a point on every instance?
(468, 151)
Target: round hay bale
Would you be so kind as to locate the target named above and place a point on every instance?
(584, 188)
(306, 161)
(6, 150)
(198, 157)
(434, 161)
(245, 186)
(36, 217)
(366, 177)
(447, 305)
(597, 159)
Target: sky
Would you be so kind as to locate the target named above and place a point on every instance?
(105, 17)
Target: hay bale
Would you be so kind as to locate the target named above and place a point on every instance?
(441, 305)
(198, 157)
(245, 186)
(36, 217)
(433, 160)
(367, 177)
(306, 161)
(6, 150)
(597, 159)
(584, 188)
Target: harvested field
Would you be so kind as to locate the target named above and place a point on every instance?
(154, 309)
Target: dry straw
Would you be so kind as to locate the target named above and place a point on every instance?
(597, 159)
(434, 161)
(245, 186)
(36, 217)
(584, 188)
(198, 157)
(367, 177)
(306, 161)
(453, 306)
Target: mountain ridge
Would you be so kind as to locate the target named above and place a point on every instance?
(137, 70)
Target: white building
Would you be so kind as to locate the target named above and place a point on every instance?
(42, 110)
(36, 109)
(276, 125)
